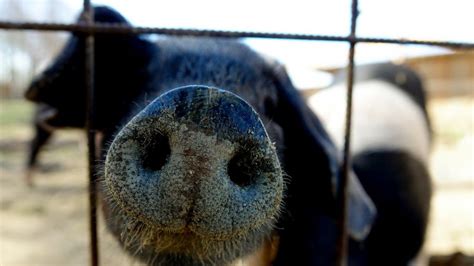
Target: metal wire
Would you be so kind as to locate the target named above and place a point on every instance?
(88, 14)
(341, 251)
(111, 28)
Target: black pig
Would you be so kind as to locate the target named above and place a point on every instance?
(211, 156)
(390, 147)
(65, 109)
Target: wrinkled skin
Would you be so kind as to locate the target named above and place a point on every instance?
(209, 151)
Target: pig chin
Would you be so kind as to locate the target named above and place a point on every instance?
(196, 178)
(163, 248)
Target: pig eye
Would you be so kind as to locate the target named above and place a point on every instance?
(240, 171)
(156, 153)
(269, 107)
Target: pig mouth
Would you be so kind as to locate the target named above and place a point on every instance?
(158, 247)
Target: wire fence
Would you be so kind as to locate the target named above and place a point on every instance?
(113, 28)
(90, 28)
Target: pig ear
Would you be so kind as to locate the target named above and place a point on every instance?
(106, 14)
(312, 161)
(362, 211)
(309, 154)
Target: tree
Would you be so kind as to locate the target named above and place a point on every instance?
(25, 53)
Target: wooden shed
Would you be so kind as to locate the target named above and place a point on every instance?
(446, 75)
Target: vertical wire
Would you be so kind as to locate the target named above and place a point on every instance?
(342, 241)
(90, 129)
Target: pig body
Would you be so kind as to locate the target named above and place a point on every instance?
(390, 147)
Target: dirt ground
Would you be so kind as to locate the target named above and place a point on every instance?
(47, 224)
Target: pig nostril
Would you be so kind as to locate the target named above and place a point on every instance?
(240, 171)
(156, 153)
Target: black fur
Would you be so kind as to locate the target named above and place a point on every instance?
(41, 137)
(400, 187)
(61, 89)
(61, 86)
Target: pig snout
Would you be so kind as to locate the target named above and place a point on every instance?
(197, 160)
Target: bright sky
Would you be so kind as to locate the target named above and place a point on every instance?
(425, 19)
(415, 19)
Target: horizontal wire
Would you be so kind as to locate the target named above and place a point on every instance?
(112, 28)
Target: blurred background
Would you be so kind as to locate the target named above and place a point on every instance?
(47, 224)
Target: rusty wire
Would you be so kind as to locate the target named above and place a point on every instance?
(342, 196)
(90, 28)
(88, 13)
(113, 28)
